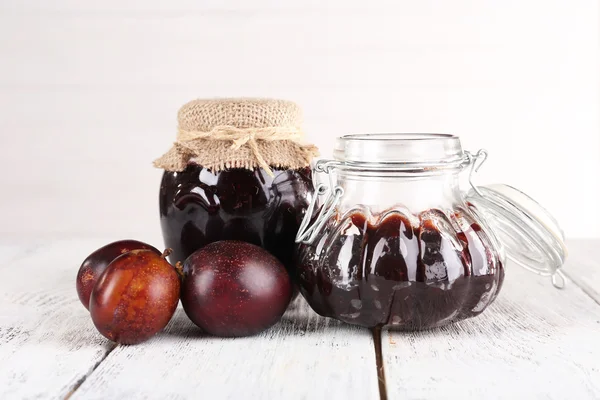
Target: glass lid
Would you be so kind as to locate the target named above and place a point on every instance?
(531, 237)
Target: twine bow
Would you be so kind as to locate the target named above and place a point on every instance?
(242, 136)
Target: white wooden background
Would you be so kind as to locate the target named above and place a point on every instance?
(89, 92)
(534, 342)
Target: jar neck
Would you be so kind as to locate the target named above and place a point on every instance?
(416, 192)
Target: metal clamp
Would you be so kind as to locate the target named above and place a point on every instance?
(307, 233)
(476, 160)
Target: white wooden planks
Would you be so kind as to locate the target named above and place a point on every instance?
(96, 85)
(534, 342)
(583, 266)
(189, 6)
(9, 252)
(47, 343)
(302, 357)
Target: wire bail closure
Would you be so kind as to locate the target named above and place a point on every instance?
(307, 233)
(476, 161)
(331, 195)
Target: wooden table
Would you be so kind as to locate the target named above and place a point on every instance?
(533, 342)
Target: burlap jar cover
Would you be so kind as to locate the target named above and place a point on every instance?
(239, 133)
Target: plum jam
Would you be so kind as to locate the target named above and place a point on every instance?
(198, 207)
(392, 240)
(400, 270)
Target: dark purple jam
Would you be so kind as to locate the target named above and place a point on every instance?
(389, 271)
(198, 207)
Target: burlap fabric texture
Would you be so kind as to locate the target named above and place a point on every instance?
(239, 133)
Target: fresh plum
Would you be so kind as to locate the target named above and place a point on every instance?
(135, 297)
(96, 263)
(233, 288)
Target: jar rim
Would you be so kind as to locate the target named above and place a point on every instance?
(404, 136)
(398, 148)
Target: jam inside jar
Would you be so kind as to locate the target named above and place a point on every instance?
(198, 207)
(397, 243)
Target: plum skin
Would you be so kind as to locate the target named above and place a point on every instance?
(135, 297)
(95, 264)
(233, 288)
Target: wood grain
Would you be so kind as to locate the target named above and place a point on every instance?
(10, 252)
(304, 356)
(47, 342)
(583, 266)
(533, 342)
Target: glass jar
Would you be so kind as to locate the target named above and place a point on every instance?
(198, 207)
(397, 243)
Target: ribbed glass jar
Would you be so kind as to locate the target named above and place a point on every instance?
(398, 243)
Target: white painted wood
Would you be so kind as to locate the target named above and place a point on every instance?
(9, 252)
(583, 266)
(47, 343)
(90, 90)
(304, 356)
(534, 342)
(342, 46)
(156, 6)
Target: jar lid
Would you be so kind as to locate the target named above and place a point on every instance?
(530, 236)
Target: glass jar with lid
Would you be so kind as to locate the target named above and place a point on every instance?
(397, 243)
